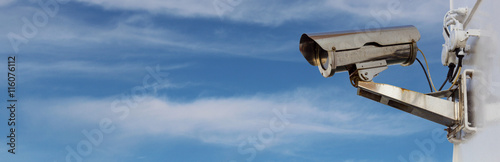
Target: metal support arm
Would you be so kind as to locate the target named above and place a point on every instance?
(425, 106)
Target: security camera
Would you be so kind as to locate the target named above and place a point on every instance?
(366, 53)
(363, 53)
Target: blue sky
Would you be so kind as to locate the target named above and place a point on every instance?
(193, 81)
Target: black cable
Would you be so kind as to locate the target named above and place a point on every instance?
(444, 83)
(426, 76)
(454, 75)
(451, 72)
(460, 58)
(456, 71)
(451, 68)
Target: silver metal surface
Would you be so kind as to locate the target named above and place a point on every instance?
(428, 107)
(469, 124)
(347, 40)
(441, 94)
(397, 54)
(368, 70)
(465, 126)
(339, 51)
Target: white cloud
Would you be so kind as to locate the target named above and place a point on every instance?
(5, 2)
(278, 12)
(228, 121)
(70, 35)
(127, 34)
(34, 70)
(183, 8)
(75, 32)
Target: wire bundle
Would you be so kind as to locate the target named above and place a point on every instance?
(452, 76)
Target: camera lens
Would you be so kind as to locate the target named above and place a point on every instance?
(322, 56)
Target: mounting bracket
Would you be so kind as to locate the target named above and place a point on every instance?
(453, 112)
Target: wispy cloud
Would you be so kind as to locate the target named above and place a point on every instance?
(5, 2)
(275, 13)
(32, 70)
(183, 8)
(139, 30)
(139, 34)
(227, 121)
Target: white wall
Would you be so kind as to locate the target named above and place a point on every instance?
(485, 60)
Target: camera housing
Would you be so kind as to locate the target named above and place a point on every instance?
(352, 50)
